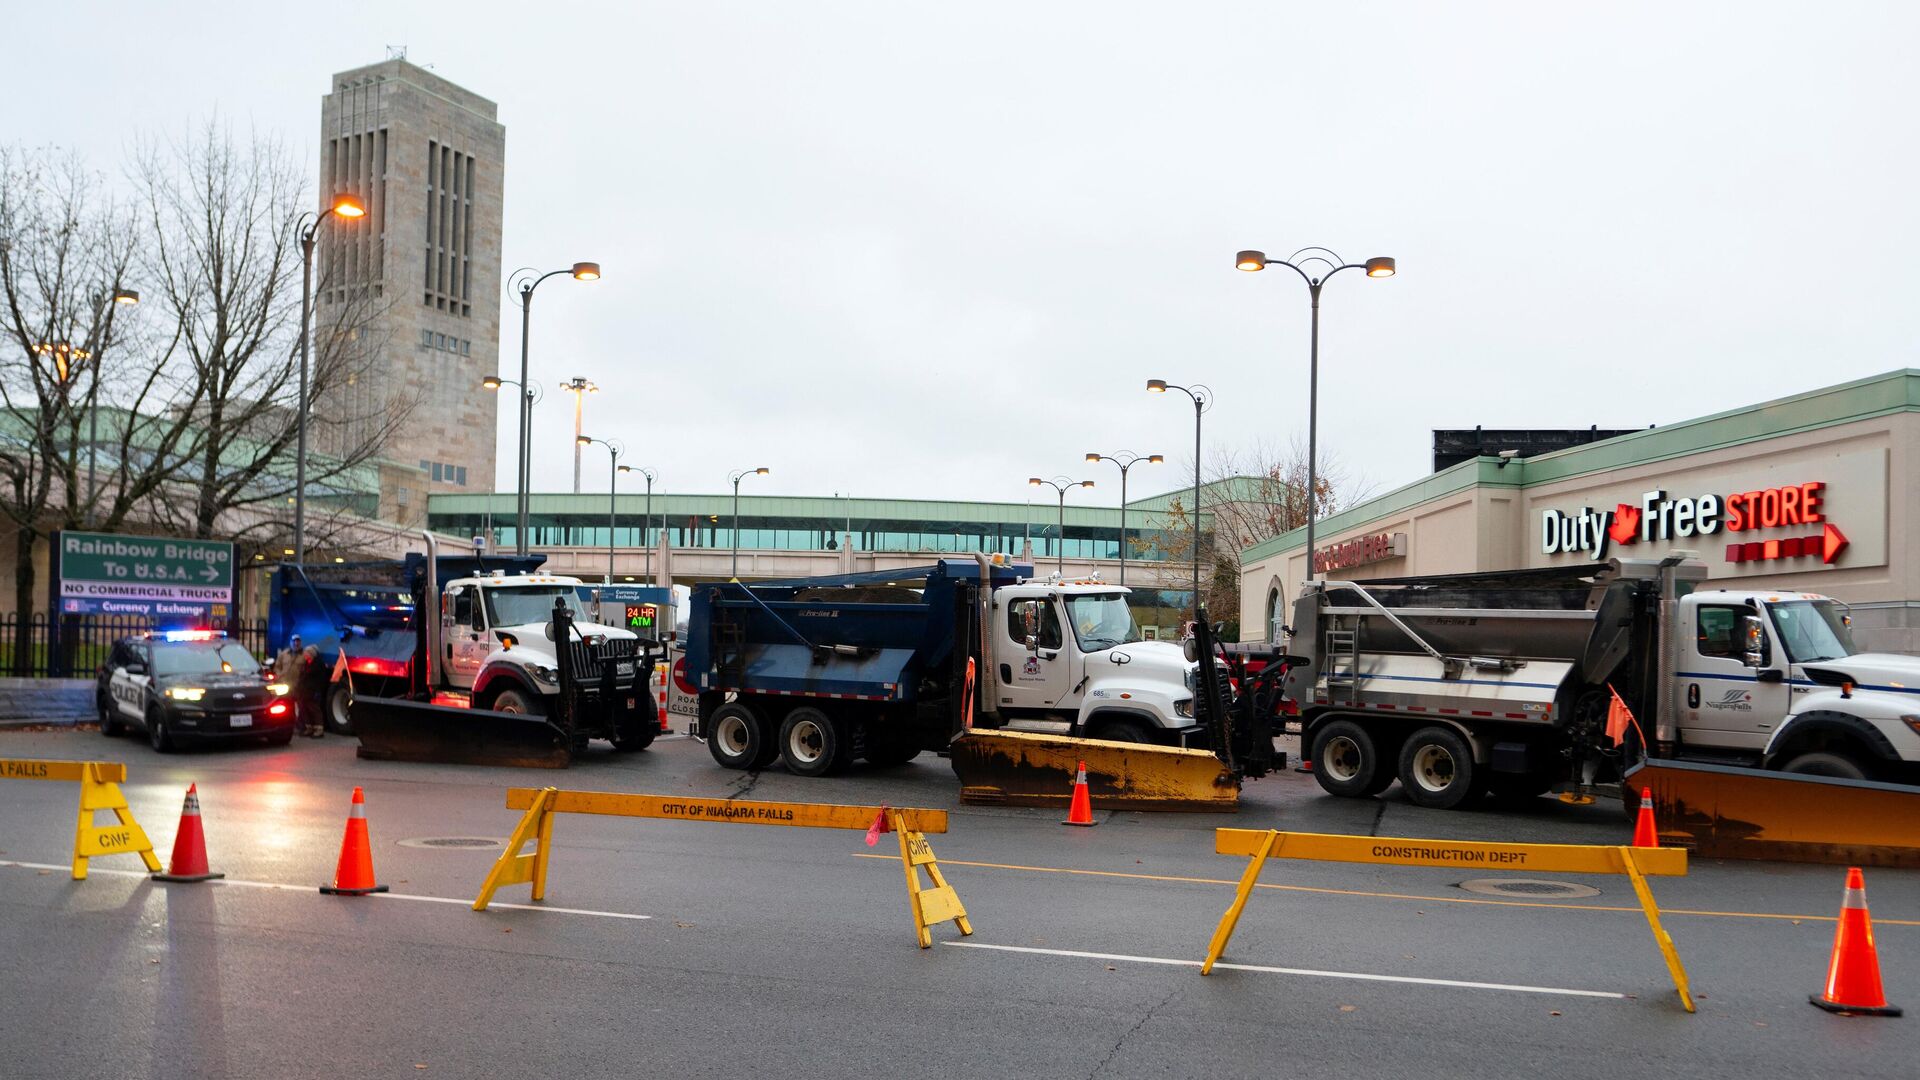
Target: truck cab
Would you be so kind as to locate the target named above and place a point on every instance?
(1070, 659)
(1775, 677)
(496, 646)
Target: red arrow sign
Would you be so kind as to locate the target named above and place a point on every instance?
(1831, 543)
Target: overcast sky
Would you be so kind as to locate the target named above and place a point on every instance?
(917, 250)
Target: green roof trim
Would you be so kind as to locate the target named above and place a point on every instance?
(1895, 391)
(1040, 512)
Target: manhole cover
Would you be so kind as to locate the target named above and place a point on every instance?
(453, 842)
(1528, 887)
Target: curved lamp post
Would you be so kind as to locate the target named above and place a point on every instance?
(646, 525)
(346, 207)
(1126, 459)
(1202, 397)
(1060, 484)
(735, 477)
(526, 280)
(614, 450)
(1325, 263)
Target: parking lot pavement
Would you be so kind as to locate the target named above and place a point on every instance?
(705, 949)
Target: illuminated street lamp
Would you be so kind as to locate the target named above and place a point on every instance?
(524, 282)
(1126, 459)
(614, 450)
(1202, 397)
(579, 388)
(1060, 484)
(736, 477)
(1327, 263)
(346, 207)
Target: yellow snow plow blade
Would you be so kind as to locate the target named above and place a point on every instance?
(1733, 813)
(1017, 768)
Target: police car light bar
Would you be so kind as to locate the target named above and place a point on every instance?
(190, 635)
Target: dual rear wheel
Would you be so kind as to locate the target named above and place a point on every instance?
(1435, 765)
(811, 742)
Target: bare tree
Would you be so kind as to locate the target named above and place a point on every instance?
(220, 244)
(1252, 494)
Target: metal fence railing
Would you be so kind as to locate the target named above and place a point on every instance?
(74, 646)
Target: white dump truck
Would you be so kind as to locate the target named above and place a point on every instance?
(1460, 684)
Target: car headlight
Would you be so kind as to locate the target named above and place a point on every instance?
(1184, 706)
(186, 693)
(278, 689)
(546, 675)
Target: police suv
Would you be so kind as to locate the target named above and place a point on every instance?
(181, 685)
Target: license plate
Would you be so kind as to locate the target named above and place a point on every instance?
(243, 719)
(623, 669)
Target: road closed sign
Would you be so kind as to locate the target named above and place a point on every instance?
(142, 574)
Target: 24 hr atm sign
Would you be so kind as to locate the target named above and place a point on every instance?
(100, 566)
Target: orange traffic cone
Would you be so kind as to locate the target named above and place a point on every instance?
(1080, 812)
(354, 875)
(189, 862)
(1853, 976)
(1644, 834)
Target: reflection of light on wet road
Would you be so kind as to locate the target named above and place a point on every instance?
(277, 807)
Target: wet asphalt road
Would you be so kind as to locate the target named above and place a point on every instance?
(770, 951)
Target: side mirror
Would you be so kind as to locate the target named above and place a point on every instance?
(1033, 643)
(1190, 648)
(548, 629)
(1753, 636)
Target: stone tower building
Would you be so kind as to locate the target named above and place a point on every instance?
(417, 278)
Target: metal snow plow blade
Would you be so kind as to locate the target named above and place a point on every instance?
(1737, 813)
(1017, 768)
(394, 729)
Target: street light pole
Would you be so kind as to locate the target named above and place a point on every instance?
(528, 280)
(736, 477)
(646, 525)
(614, 450)
(116, 296)
(1202, 397)
(344, 206)
(1060, 485)
(1126, 459)
(580, 388)
(1380, 266)
(531, 394)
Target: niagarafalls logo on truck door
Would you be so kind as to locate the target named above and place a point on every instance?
(1660, 520)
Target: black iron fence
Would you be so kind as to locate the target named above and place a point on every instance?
(74, 646)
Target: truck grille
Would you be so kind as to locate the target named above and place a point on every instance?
(590, 662)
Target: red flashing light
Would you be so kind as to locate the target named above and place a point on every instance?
(278, 708)
(373, 665)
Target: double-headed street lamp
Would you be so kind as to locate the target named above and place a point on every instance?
(346, 207)
(646, 526)
(1060, 484)
(735, 477)
(524, 282)
(1202, 397)
(1327, 263)
(579, 388)
(614, 450)
(1126, 459)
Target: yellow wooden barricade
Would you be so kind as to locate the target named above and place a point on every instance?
(930, 904)
(1637, 863)
(99, 790)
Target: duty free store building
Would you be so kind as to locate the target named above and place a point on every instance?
(1819, 492)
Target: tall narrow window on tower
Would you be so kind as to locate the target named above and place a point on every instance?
(449, 228)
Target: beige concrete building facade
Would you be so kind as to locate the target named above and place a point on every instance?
(420, 273)
(1815, 492)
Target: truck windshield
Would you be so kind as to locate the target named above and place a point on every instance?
(523, 606)
(1813, 630)
(1101, 621)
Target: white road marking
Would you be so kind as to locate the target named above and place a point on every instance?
(1361, 976)
(315, 890)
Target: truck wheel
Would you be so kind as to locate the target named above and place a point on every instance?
(1437, 769)
(515, 700)
(737, 738)
(1124, 730)
(1346, 761)
(637, 735)
(813, 744)
(339, 719)
(110, 725)
(1827, 763)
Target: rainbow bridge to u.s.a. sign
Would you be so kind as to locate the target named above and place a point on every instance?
(102, 573)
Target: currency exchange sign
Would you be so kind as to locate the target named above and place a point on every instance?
(106, 570)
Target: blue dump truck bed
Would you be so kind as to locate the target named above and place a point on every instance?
(869, 637)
